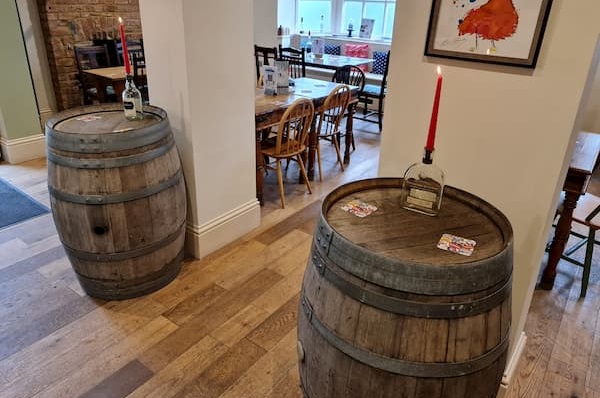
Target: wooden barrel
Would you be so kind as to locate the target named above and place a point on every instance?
(385, 313)
(118, 198)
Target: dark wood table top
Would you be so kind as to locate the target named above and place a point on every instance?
(584, 159)
(114, 73)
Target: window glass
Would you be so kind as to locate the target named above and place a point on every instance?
(388, 26)
(333, 16)
(351, 14)
(375, 11)
(314, 13)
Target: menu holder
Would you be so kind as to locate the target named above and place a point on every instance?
(270, 80)
(318, 47)
(366, 28)
(283, 78)
(295, 40)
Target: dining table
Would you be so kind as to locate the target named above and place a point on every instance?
(583, 162)
(270, 108)
(114, 76)
(331, 61)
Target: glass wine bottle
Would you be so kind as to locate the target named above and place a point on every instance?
(423, 183)
(132, 100)
(423, 186)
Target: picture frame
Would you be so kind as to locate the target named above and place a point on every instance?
(366, 28)
(505, 32)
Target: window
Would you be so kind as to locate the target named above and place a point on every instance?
(334, 16)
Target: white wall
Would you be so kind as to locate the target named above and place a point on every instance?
(38, 60)
(504, 134)
(591, 120)
(265, 23)
(205, 81)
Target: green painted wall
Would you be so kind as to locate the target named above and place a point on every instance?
(17, 98)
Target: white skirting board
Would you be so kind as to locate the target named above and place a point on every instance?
(202, 240)
(23, 149)
(512, 366)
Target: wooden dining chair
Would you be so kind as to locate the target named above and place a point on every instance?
(92, 57)
(296, 59)
(133, 47)
(353, 75)
(587, 215)
(373, 92)
(329, 121)
(263, 56)
(290, 142)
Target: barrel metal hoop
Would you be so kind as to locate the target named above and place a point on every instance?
(110, 163)
(120, 256)
(401, 367)
(116, 197)
(411, 307)
(117, 290)
(107, 142)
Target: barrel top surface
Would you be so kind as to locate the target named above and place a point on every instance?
(103, 121)
(405, 235)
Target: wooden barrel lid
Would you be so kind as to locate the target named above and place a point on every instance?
(104, 128)
(397, 248)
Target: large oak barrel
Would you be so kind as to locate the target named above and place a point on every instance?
(385, 313)
(118, 198)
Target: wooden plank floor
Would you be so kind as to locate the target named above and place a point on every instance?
(226, 327)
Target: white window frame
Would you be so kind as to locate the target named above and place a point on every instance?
(337, 25)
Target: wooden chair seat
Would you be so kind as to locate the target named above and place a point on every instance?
(272, 152)
(587, 213)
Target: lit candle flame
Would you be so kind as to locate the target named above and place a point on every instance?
(439, 70)
(120, 20)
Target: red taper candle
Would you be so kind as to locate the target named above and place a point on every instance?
(434, 113)
(124, 44)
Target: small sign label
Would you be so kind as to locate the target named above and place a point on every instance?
(88, 118)
(421, 198)
(456, 244)
(359, 208)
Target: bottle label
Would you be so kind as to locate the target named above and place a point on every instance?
(421, 198)
(129, 107)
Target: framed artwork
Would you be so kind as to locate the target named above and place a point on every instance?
(507, 32)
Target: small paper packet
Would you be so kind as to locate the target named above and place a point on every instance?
(456, 244)
(359, 208)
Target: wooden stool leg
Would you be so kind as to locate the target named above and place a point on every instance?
(587, 264)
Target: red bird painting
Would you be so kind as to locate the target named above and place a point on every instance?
(495, 20)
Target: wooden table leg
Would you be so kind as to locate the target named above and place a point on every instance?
(312, 151)
(561, 236)
(259, 169)
(349, 132)
(119, 87)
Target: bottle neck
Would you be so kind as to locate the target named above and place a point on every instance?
(129, 81)
(428, 156)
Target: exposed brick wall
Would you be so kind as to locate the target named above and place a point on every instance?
(67, 23)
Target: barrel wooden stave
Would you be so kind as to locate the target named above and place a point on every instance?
(130, 221)
(327, 372)
(120, 213)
